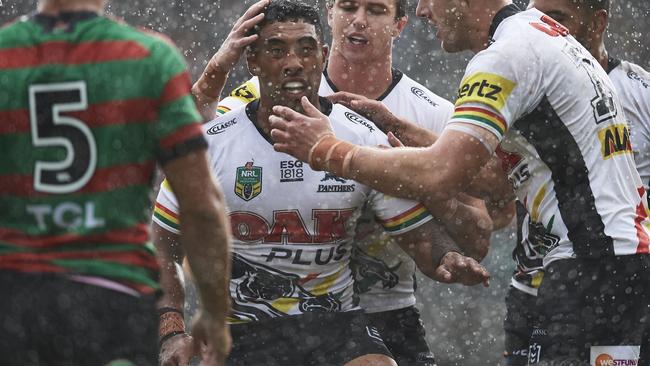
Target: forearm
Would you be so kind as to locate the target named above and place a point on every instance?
(206, 241)
(470, 226)
(207, 90)
(173, 291)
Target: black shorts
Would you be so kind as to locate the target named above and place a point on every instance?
(318, 339)
(594, 309)
(404, 335)
(518, 326)
(50, 320)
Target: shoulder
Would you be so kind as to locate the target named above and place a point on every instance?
(226, 125)
(421, 95)
(353, 127)
(632, 75)
(16, 33)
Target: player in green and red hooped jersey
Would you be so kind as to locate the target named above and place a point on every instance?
(88, 105)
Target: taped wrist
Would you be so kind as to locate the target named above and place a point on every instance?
(332, 155)
(171, 323)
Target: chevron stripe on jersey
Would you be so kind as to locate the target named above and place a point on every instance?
(86, 112)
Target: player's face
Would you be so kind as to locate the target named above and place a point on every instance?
(289, 59)
(448, 17)
(364, 30)
(570, 14)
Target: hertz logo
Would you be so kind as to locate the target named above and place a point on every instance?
(489, 89)
(614, 140)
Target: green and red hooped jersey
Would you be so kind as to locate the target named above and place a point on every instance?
(86, 110)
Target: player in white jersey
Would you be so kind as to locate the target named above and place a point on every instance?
(555, 111)
(587, 20)
(293, 226)
(363, 34)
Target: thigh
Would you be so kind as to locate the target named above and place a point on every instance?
(59, 322)
(518, 326)
(404, 335)
(345, 337)
(591, 308)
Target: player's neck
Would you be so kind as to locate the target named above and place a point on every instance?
(600, 54)
(54, 7)
(370, 79)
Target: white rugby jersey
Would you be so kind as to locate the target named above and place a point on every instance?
(632, 85)
(384, 274)
(564, 132)
(292, 227)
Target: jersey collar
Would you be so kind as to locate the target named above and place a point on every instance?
(397, 77)
(70, 18)
(252, 107)
(505, 12)
(612, 63)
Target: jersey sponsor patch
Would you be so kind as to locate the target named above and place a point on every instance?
(356, 119)
(248, 181)
(614, 140)
(422, 95)
(485, 88)
(246, 93)
(291, 171)
(334, 187)
(614, 355)
(221, 127)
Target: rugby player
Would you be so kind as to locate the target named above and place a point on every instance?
(587, 21)
(292, 250)
(88, 105)
(584, 191)
(363, 32)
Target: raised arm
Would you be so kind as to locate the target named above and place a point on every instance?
(207, 90)
(205, 239)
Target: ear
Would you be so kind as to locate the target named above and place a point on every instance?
(399, 26)
(326, 52)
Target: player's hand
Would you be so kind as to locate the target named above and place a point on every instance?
(456, 268)
(296, 134)
(177, 351)
(231, 49)
(211, 339)
(372, 109)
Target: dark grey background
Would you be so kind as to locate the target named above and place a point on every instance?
(464, 325)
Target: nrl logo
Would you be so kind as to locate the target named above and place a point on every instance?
(248, 181)
(422, 95)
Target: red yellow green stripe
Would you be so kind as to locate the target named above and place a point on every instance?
(166, 216)
(482, 116)
(406, 219)
(222, 109)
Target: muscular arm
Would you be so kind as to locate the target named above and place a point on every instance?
(206, 241)
(438, 257)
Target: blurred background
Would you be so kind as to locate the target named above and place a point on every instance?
(464, 325)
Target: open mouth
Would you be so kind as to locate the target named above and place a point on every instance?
(294, 87)
(357, 40)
